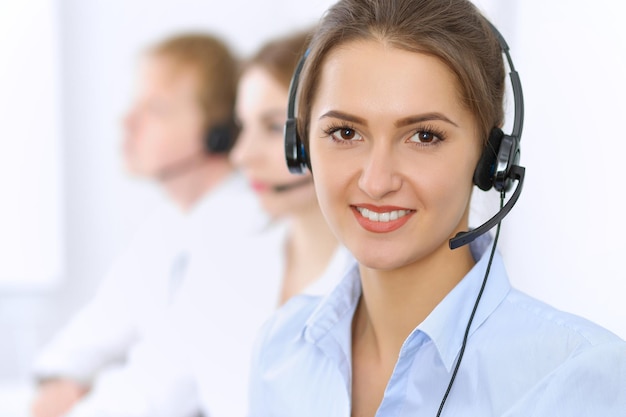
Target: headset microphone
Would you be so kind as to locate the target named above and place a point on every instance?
(292, 185)
(463, 238)
(498, 165)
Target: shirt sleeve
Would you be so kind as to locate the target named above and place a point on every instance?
(126, 301)
(96, 336)
(153, 383)
(100, 333)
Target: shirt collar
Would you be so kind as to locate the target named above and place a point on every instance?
(339, 264)
(445, 325)
(334, 306)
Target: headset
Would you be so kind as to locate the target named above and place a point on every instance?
(497, 167)
(221, 137)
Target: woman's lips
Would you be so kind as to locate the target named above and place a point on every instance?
(381, 219)
(258, 186)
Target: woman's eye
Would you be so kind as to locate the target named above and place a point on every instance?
(424, 137)
(272, 126)
(345, 134)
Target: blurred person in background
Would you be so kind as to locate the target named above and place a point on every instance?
(178, 134)
(309, 246)
(307, 257)
(199, 362)
(196, 362)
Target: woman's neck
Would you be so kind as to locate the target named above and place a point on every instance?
(395, 302)
(309, 249)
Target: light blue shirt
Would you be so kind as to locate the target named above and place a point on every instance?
(523, 357)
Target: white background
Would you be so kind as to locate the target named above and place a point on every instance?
(30, 134)
(563, 242)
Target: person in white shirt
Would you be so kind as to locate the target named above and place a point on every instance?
(178, 134)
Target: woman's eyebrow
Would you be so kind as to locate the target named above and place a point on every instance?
(423, 118)
(343, 116)
(405, 121)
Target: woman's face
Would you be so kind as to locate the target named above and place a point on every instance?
(393, 151)
(261, 110)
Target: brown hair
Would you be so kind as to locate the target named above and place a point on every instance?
(454, 31)
(215, 66)
(279, 56)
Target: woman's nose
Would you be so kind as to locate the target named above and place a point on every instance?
(380, 175)
(244, 150)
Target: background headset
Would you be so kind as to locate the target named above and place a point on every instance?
(497, 167)
(221, 137)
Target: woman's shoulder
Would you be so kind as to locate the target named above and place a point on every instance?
(589, 381)
(283, 330)
(289, 320)
(560, 361)
(532, 315)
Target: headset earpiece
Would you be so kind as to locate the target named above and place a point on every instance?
(221, 138)
(494, 166)
(486, 168)
(508, 156)
(295, 153)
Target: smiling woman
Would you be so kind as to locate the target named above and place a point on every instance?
(399, 115)
(426, 141)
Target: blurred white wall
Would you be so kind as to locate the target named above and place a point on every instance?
(562, 242)
(30, 164)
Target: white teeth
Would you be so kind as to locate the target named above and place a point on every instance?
(382, 217)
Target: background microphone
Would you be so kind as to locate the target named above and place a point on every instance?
(463, 238)
(292, 185)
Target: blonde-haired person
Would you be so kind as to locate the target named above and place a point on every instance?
(178, 134)
(398, 101)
